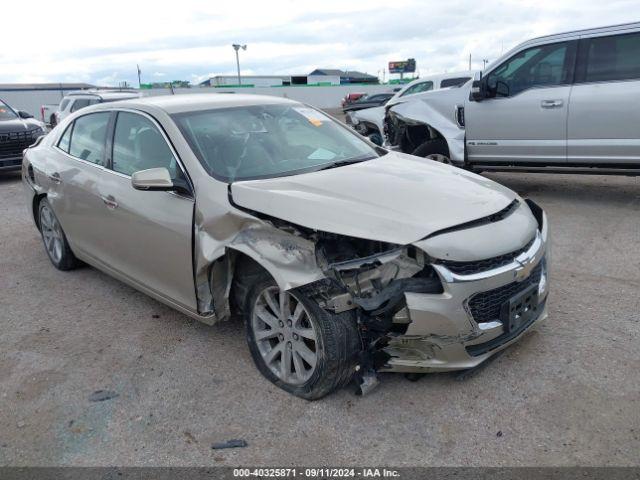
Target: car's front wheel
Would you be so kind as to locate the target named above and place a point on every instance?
(296, 344)
(55, 241)
(435, 149)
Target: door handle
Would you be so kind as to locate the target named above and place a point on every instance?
(551, 103)
(109, 201)
(55, 177)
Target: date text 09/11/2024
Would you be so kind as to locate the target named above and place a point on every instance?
(320, 472)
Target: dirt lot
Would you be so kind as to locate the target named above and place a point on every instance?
(567, 394)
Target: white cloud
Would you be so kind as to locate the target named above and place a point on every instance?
(66, 41)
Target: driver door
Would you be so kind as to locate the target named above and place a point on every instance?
(525, 118)
(148, 234)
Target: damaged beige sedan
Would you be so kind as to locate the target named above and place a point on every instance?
(343, 258)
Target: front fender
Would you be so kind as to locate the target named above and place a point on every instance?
(440, 116)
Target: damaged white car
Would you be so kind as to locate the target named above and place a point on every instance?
(343, 258)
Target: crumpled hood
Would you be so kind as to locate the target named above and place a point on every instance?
(397, 198)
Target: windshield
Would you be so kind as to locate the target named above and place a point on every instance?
(6, 113)
(263, 141)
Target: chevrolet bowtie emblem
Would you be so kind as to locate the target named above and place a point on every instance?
(525, 268)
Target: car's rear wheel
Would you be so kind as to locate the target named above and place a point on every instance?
(296, 344)
(54, 239)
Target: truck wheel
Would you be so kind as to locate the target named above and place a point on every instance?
(296, 344)
(376, 138)
(55, 241)
(435, 149)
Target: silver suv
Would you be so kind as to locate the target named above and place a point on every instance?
(75, 101)
(565, 101)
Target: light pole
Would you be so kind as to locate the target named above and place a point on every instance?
(236, 47)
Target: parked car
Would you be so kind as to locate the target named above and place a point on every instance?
(18, 130)
(368, 101)
(370, 122)
(352, 97)
(74, 101)
(266, 208)
(564, 102)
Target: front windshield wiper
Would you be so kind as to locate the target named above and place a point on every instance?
(347, 161)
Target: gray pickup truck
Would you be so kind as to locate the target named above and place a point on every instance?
(564, 102)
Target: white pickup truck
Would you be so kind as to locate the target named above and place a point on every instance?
(369, 122)
(564, 102)
(73, 101)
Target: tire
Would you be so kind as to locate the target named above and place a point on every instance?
(436, 149)
(54, 239)
(376, 138)
(335, 346)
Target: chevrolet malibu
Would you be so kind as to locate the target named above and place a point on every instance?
(344, 259)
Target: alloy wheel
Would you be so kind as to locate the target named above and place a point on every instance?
(51, 233)
(285, 335)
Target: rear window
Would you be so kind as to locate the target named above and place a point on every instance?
(454, 82)
(418, 88)
(81, 103)
(64, 103)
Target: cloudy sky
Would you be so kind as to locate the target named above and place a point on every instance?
(74, 41)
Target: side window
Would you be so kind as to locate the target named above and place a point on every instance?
(63, 104)
(612, 58)
(454, 82)
(88, 139)
(534, 67)
(65, 140)
(138, 145)
(80, 103)
(418, 87)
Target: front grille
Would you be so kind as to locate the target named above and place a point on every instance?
(478, 266)
(12, 144)
(482, 348)
(486, 306)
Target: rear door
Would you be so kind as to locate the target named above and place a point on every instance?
(74, 174)
(525, 120)
(604, 109)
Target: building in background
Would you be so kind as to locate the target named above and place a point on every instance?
(340, 77)
(172, 84)
(31, 96)
(248, 81)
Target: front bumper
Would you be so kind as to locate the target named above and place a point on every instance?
(444, 334)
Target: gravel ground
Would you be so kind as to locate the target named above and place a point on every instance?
(567, 394)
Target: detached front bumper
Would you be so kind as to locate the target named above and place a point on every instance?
(471, 320)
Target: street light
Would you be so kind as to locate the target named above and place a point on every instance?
(237, 47)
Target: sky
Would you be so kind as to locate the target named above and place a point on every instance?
(75, 41)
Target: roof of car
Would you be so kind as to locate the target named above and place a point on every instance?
(588, 31)
(201, 101)
(105, 95)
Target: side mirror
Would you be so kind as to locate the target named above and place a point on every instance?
(23, 114)
(478, 88)
(157, 179)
